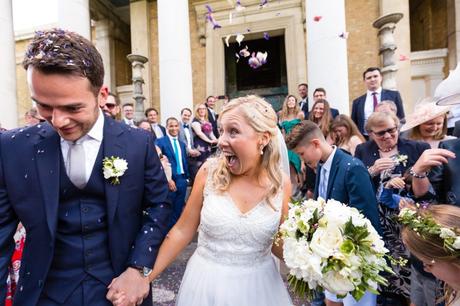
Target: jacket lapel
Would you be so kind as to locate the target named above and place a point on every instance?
(47, 159)
(333, 172)
(318, 174)
(113, 146)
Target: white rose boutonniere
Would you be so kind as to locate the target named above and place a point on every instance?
(113, 168)
(401, 159)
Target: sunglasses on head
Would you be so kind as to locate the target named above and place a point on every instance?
(389, 131)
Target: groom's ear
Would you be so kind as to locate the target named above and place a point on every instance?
(102, 95)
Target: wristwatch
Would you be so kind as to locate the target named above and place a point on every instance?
(144, 271)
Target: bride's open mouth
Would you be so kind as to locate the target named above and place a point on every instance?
(231, 158)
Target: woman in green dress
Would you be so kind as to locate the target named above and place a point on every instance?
(290, 115)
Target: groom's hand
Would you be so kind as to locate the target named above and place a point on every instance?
(134, 286)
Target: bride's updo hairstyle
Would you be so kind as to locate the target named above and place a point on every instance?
(262, 118)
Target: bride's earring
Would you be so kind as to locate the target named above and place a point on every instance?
(261, 149)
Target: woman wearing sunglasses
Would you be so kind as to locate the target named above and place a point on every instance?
(387, 156)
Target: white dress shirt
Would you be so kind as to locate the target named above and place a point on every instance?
(130, 122)
(188, 135)
(91, 144)
(325, 171)
(157, 130)
(369, 104)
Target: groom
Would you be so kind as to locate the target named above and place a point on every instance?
(84, 231)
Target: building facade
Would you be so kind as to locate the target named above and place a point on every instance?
(326, 43)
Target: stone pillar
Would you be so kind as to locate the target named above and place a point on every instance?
(140, 41)
(73, 15)
(176, 91)
(327, 52)
(8, 115)
(137, 62)
(106, 47)
(453, 32)
(402, 39)
(386, 26)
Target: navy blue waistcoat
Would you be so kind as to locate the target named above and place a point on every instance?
(81, 246)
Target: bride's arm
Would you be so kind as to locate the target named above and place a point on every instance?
(185, 229)
(277, 247)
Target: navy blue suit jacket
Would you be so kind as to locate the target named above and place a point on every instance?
(213, 121)
(357, 108)
(350, 183)
(368, 153)
(137, 208)
(166, 148)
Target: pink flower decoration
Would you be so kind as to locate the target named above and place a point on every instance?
(317, 18)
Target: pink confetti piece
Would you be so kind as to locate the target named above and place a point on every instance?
(317, 18)
(257, 60)
(403, 58)
(266, 36)
(344, 35)
(244, 52)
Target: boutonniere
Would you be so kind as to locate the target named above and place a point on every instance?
(113, 168)
(401, 159)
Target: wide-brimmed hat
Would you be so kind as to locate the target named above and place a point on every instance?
(448, 91)
(424, 111)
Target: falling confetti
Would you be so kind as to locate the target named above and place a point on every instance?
(227, 38)
(317, 18)
(237, 57)
(266, 36)
(403, 58)
(344, 35)
(211, 19)
(263, 3)
(258, 59)
(239, 38)
(238, 6)
(244, 52)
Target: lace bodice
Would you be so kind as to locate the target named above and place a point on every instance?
(228, 236)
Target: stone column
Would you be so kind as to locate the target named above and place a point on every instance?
(327, 52)
(453, 32)
(74, 15)
(106, 47)
(137, 62)
(386, 26)
(402, 39)
(8, 115)
(140, 41)
(176, 90)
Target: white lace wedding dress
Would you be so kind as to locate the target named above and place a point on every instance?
(232, 264)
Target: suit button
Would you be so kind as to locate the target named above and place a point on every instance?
(85, 209)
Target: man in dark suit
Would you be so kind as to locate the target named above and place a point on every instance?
(212, 115)
(320, 94)
(303, 94)
(90, 223)
(339, 176)
(176, 152)
(186, 136)
(152, 117)
(364, 106)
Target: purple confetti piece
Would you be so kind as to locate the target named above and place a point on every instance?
(263, 3)
(208, 7)
(266, 36)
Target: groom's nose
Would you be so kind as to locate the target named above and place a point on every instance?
(59, 118)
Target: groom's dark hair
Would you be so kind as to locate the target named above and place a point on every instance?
(64, 52)
(302, 133)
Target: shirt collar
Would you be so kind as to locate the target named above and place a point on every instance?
(379, 91)
(328, 164)
(96, 132)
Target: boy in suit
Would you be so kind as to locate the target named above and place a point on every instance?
(340, 177)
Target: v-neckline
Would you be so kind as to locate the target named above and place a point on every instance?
(235, 205)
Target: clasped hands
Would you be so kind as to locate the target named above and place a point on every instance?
(128, 289)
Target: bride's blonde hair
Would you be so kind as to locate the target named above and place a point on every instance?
(262, 118)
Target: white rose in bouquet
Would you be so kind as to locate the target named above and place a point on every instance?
(335, 282)
(326, 241)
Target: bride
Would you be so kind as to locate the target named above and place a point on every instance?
(237, 203)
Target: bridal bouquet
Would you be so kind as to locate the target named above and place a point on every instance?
(334, 247)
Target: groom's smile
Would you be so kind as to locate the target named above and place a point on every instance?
(66, 101)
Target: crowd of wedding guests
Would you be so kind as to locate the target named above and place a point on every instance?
(388, 143)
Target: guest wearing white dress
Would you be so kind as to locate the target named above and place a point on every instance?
(238, 201)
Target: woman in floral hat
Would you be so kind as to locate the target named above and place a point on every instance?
(428, 123)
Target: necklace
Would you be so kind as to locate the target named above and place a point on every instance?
(387, 150)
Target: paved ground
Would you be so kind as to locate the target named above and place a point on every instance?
(167, 285)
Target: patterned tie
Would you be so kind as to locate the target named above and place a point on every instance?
(76, 167)
(374, 98)
(322, 192)
(177, 157)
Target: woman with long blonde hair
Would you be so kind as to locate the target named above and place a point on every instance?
(237, 203)
(432, 235)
